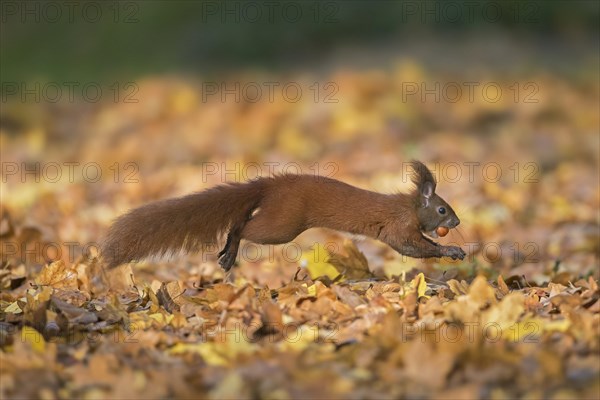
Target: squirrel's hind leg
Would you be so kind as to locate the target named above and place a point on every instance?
(228, 255)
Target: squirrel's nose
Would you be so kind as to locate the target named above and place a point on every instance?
(454, 222)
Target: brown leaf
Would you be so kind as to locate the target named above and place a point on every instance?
(352, 265)
(347, 296)
(58, 275)
(167, 295)
(502, 287)
(75, 315)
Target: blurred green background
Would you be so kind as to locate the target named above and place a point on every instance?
(129, 39)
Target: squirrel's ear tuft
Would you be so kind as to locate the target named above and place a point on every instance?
(423, 179)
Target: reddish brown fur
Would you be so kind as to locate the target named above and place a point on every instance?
(288, 208)
(184, 223)
(271, 211)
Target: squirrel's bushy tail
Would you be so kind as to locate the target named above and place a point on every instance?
(185, 223)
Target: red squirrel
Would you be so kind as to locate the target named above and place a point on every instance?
(274, 210)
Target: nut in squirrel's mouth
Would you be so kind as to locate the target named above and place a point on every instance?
(438, 232)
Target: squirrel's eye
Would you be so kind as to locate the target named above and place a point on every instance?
(442, 210)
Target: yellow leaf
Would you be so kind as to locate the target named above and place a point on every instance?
(13, 308)
(58, 275)
(300, 338)
(230, 387)
(178, 321)
(315, 261)
(530, 329)
(293, 141)
(218, 354)
(421, 286)
(161, 319)
(183, 100)
(481, 292)
(34, 338)
(503, 316)
(139, 321)
(458, 288)
(206, 350)
(559, 325)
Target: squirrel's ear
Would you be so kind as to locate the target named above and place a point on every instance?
(423, 179)
(427, 190)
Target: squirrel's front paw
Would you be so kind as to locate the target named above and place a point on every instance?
(454, 252)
